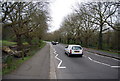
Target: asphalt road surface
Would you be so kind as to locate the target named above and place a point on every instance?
(52, 63)
(90, 66)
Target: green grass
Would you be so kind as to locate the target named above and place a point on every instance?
(0, 73)
(7, 43)
(42, 44)
(14, 64)
(25, 43)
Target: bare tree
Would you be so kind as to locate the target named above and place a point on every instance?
(25, 19)
(98, 11)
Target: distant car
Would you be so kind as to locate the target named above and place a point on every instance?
(54, 43)
(74, 50)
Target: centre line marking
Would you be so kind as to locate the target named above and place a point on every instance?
(59, 65)
(115, 66)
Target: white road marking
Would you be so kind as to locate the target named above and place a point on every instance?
(107, 57)
(60, 62)
(56, 56)
(103, 63)
(115, 66)
(89, 58)
(59, 65)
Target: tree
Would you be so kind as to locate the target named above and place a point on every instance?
(98, 11)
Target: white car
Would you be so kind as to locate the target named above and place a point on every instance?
(74, 50)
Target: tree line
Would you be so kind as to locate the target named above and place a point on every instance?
(92, 24)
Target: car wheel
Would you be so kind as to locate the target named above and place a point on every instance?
(65, 53)
(69, 54)
(80, 55)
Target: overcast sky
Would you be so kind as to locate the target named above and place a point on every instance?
(58, 10)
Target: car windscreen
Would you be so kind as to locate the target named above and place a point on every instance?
(76, 48)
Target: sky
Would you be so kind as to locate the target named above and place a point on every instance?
(58, 10)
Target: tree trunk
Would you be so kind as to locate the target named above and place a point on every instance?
(19, 42)
(68, 41)
(86, 41)
(20, 46)
(100, 39)
(108, 39)
(30, 40)
(39, 39)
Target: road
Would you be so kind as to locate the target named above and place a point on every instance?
(90, 66)
(52, 63)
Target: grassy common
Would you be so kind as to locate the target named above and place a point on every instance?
(9, 43)
(109, 52)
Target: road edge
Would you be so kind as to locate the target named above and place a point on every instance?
(104, 54)
(52, 64)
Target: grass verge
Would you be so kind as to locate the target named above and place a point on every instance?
(8, 43)
(106, 51)
(16, 62)
(109, 52)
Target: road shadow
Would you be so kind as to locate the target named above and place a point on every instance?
(74, 56)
